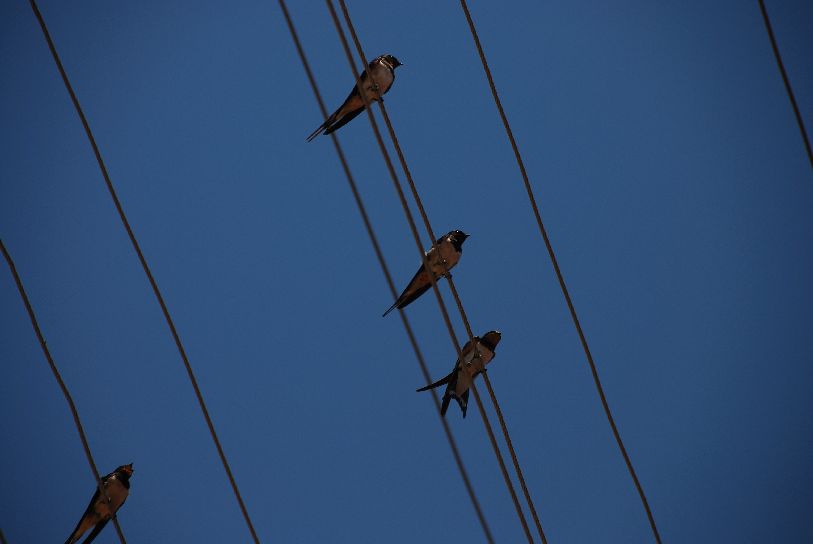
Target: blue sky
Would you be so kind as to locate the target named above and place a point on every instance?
(672, 179)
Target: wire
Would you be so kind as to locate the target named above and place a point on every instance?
(62, 385)
(3, 538)
(558, 271)
(417, 238)
(452, 286)
(788, 88)
(146, 268)
(385, 269)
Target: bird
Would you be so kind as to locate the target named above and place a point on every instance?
(99, 511)
(474, 357)
(442, 257)
(383, 70)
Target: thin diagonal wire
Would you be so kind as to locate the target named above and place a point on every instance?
(558, 271)
(788, 88)
(62, 386)
(388, 276)
(3, 538)
(469, 332)
(455, 294)
(146, 268)
(413, 228)
(427, 224)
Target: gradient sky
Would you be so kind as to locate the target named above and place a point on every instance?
(672, 179)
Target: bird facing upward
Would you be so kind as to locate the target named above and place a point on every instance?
(99, 511)
(383, 76)
(474, 357)
(442, 257)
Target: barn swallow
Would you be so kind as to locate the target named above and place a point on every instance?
(442, 257)
(474, 357)
(383, 70)
(99, 511)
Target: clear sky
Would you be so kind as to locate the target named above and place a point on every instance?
(672, 179)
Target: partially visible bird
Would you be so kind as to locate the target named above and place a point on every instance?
(474, 357)
(383, 70)
(442, 257)
(99, 511)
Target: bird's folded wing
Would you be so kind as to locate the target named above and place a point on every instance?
(95, 532)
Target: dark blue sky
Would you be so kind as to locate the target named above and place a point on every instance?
(672, 179)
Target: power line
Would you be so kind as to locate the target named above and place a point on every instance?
(788, 88)
(452, 286)
(363, 59)
(146, 268)
(558, 271)
(399, 190)
(455, 294)
(62, 386)
(385, 269)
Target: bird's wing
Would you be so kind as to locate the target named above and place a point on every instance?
(420, 277)
(328, 126)
(467, 349)
(405, 301)
(445, 405)
(95, 532)
(463, 401)
(74, 536)
(450, 391)
(319, 129)
(410, 292)
(391, 308)
(355, 91)
(344, 120)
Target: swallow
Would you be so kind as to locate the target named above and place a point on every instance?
(474, 357)
(383, 70)
(442, 257)
(99, 511)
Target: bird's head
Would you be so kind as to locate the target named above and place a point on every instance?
(126, 470)
(457, 237)
(392, 61)
(491, 339)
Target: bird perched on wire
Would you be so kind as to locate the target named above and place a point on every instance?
(99, 511)
(474, 357)
(383, 76)
(442, 257)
